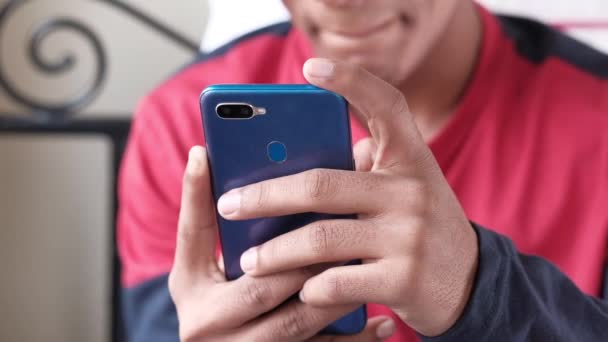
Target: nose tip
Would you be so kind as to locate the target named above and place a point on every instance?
(343, 3)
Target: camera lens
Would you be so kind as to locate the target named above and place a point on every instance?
(225, 110)
(235, 111)
(246, 111)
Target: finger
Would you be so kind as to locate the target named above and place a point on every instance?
(348, 285)
(197, 231)
(319, 190)
(381, 106)
(294, 321)
(377, 329)
(364, 153)
(319, 242)
(246, 298)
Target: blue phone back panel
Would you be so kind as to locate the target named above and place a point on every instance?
(314, 127)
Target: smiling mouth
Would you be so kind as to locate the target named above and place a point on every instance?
(366, 32)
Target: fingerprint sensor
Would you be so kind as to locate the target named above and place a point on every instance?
(277, 152)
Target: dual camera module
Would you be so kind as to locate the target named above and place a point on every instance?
(238, 111)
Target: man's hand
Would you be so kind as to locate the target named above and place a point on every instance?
(211, 309)
(419, 250)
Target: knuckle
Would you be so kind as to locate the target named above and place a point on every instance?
(186, 232)
(399, 103)
(189, 232)
(256, 294)
(336, 288)
(192, 177)
(261, 194)
(424, 161)
(267, 253)
(370, 183)
(270, 252)
(360, 234)
(319, 238)
(318, 184)
(277, 251)
(293, 324)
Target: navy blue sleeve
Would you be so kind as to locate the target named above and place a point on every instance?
(148, 312)
(524, 298)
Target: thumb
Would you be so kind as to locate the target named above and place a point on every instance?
(197, 227)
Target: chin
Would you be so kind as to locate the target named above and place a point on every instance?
(381, 71)
(387, 69)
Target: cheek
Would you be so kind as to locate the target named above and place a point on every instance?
(386, 64)
(301, 13)
(428, 23)
(289, 4)
(395, 58)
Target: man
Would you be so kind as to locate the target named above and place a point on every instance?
(504, 127)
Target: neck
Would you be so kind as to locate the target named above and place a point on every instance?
(435, 89)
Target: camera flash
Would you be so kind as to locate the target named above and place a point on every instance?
(260, 111)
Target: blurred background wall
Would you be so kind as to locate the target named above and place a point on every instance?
(586, 20)
(55, 223)
(54, 206)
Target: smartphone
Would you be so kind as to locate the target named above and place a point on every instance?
(259, 132)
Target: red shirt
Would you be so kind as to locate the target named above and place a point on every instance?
(526, 151)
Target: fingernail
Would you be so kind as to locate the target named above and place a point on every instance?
(301, 295)
(229, 203)
(195, 159)
(318, 67)
(386, 329)
(249, 259)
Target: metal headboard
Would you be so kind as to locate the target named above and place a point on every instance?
(45, 118)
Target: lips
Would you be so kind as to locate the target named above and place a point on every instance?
(352, 41)
(362, 33)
